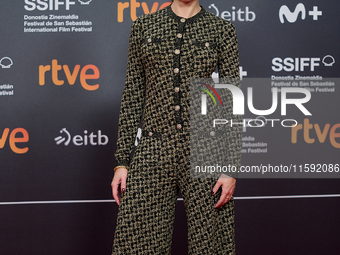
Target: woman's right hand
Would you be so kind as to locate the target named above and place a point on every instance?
(118, 183)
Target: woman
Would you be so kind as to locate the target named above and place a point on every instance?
(166, 49)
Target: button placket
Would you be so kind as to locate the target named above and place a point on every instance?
(176, 70)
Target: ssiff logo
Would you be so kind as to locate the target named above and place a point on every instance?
(133, 5)
(85, 2)
(292, 17)
(44, 5)
(6, 62)
(290, 64)
(81, 140)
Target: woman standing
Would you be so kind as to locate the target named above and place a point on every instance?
(166, 49)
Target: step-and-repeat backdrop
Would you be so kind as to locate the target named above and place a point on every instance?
(62, 72)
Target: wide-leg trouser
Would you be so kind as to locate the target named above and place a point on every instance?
(159, 169)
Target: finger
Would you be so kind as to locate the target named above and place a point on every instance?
(115, 194)
(231, 191)
(222, 199)
(117, 199)
(223, 202)
(123, 185)
(216, 187)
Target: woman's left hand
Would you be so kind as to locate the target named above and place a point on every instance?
(228, 185)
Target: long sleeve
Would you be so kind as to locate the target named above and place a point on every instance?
(228, 67)
(132, 99)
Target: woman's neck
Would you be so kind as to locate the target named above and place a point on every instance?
(185, 8)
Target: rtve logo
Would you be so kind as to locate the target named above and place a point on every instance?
(321, 134)
(292, 17)
(300, 64)
(44, 5)
(18, 135)
(82, 140)
(70, 77)
(133, 5)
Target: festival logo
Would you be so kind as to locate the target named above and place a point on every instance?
(290, 64)
(51, 5)
(6, 62)
(85, 2)
(50, 21)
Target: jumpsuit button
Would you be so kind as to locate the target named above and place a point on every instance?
(212, 133)
(182, 20)
(177, 89)
(207, 44)
(179, 126)
(177, 51)
(177, 107)
(150, 133)
(176, 70)
(149, 40)
(179, 35)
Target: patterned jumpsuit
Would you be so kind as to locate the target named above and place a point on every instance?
(165, 50)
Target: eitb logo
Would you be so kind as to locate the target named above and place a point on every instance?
(81, 140)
